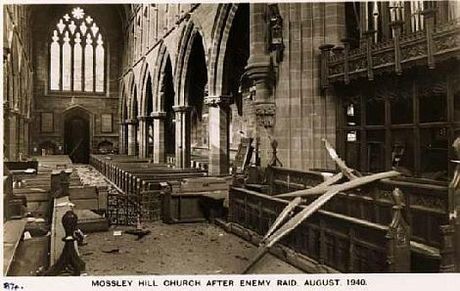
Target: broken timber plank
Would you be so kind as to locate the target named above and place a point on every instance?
(348, 172)
(286, 211)
(315, 190)
(311, 208)
(343, 187)
(282, 217)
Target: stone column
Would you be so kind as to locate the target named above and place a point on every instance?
(158, 136)
(26, 145)
(182, 136)
(259, 72)
(132, 135)
(20, 133)
(13, 138)
(122, 138)
(218, 134)
(143, 136)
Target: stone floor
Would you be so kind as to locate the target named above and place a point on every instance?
(198, 248)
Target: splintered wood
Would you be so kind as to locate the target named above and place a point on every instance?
(327, 190)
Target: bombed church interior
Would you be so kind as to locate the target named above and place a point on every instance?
(231, 138)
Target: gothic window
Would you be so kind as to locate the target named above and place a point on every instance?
(77, 54)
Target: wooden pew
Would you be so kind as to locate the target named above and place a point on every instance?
(340, 242)
(12, 234)
(426, 210)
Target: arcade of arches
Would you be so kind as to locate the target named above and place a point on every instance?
(182, 83)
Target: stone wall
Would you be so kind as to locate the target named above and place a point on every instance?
(59, 103)
(304, 114)
(17, 82)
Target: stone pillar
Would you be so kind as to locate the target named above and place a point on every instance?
(158, 136)
(143, 136)
(132, 136)
(183, 150)
(20, 134)
(218, 134)
(13, 138)
(26, 145)
(122, 138)
(259, 72)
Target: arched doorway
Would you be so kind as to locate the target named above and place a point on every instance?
(77, 135)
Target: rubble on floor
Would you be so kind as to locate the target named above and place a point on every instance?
(198, 248)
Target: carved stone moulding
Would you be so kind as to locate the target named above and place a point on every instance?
(144, 118)
(265, 114)
(182, 108)
(258, 71)
(217, 100)
(158, 114)
(131, 121)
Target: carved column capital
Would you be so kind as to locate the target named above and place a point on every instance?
(158, 115)
(144, 118)
(131, 121)
(182, 108)
(215, 101)
(265, 114)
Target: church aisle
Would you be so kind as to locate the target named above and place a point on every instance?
(198, 248)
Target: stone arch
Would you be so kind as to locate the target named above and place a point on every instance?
(15, 59)
(122, 102)
(145, 74)
(188, 34)
(158, 77)
(131, 93)
(134, 104)
(123, 116)
(221, 30)
(164, 137)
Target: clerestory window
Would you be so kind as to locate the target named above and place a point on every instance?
(77, 54)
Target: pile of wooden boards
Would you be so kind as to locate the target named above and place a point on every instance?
(144, 185)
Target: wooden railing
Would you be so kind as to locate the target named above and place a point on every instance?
(430, 45)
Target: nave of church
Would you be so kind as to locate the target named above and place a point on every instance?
(324, 133)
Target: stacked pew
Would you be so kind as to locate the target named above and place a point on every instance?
(426, 211)
(144, 185)
(36, 189)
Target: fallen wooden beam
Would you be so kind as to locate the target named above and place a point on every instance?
(282, 217)
(311, 208)
(320, 188)
(343, 187)
(348, 172)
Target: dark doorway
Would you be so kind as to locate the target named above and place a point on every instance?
(76, 138)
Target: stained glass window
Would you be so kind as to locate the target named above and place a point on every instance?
(77, 54)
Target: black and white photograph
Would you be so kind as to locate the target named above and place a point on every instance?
(231, 138)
